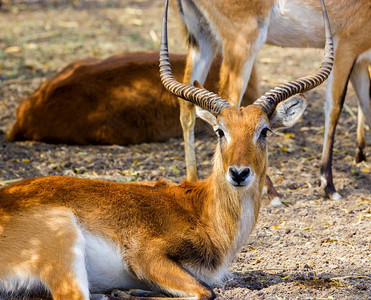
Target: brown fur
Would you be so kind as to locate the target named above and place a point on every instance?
(159, 227)
(119, 100)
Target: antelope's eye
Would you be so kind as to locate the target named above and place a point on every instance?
(265, 132)
(219, 132)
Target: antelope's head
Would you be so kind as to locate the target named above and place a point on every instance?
(243, 132)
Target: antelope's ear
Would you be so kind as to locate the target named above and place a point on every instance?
(206, 116)
(288, 112)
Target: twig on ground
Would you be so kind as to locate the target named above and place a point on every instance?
(4, 182)
(261, 270)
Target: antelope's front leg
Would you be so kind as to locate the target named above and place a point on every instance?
(187, 120)
(169, 276)
(241, 44)
(199, 59)
(336, 90)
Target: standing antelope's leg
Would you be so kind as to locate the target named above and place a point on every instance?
(360, 79)
(361, 139)
(335, 95)
(238, 61)
(253, 88)
(170, 277)
(240, 47)
(198, 63)
(273, 196)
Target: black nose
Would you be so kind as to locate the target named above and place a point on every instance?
(239, 174)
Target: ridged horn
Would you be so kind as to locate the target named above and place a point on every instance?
(203, 98)
(269, 100)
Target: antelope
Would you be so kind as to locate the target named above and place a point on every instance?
(79, 236)
(239, 28)
(118, 100)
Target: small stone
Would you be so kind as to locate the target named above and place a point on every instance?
(333, 266)
(310, 275)
(300, 277)
(67, 164)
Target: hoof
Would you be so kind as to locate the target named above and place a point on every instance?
(360, 156)
(276, 202)
(133, 293)
(335, 196)
(118, 294)
(330, 189)
(102, 297)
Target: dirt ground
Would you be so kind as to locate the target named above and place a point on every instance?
(310, 248)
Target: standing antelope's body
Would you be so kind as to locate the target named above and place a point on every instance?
(77, 236)
(240, 28)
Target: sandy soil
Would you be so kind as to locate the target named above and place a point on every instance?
(310, 248)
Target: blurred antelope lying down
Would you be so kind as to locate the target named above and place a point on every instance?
(119, 100)
(75, 237)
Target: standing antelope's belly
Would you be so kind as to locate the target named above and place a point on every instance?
(294, 24)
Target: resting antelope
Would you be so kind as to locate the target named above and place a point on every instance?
(118, 100)
(240, 28)
(79, 236)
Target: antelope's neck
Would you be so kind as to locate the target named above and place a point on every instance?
(235, 211)
(232, 214)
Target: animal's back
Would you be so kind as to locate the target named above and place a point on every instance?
(98, 203)
(299, 23)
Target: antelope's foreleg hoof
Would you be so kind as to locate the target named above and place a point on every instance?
(360, 155)
(104, 297)
(134, 293)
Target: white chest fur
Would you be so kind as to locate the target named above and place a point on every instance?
(244, 228)
(105, 266)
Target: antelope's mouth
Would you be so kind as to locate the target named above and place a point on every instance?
(241, 185)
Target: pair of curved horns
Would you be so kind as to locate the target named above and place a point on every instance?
(268, 102)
